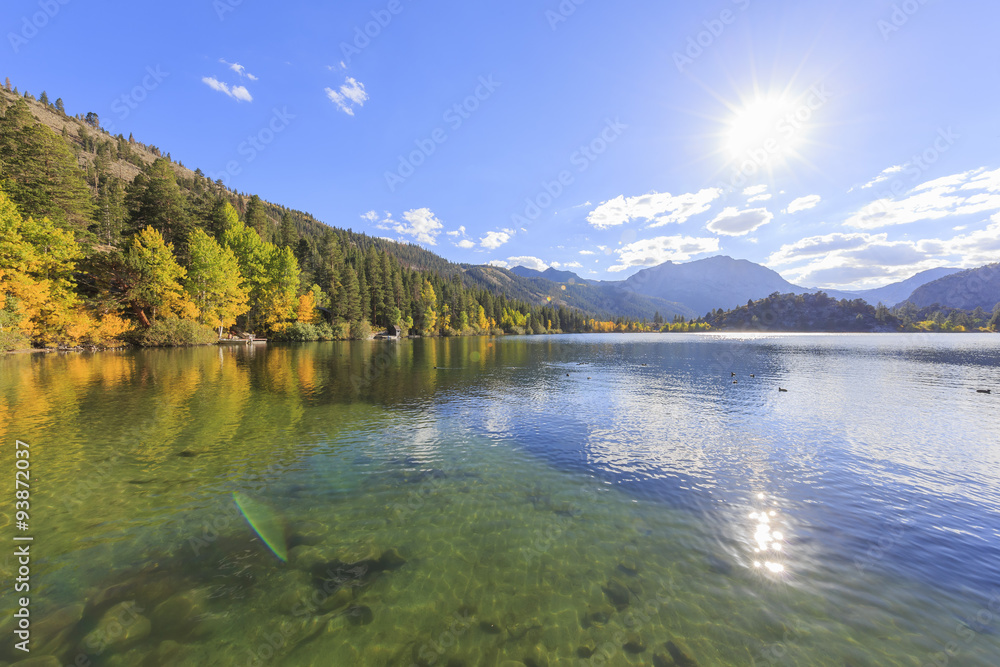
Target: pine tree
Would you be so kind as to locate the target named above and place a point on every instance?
(289, 235)
(364, 290)
(349, 307)
(155, 200)
(59, 106)
(7, 84)
(112, 213)
(41, 174)
(256, 218)
(44, 98)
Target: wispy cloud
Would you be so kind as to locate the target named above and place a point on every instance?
(238, 93)
(803, 203)
(659, 208)
(419, 223)
(239, 69)
(885, 175)
(651, 252)
(494, 240)
(970, 192)
(351, 93)
(733, 222)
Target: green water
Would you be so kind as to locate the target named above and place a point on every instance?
(498, 502)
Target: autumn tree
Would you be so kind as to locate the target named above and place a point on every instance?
(156, 288)
(37, 261)
(214, 282)
(427, 315)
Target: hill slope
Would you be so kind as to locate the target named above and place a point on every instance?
(968, 290)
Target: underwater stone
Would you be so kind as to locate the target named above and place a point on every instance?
(53, 627)
(586, 649)
(359, 615)
(634, 644)
(391, 560)
(617, 593)
(177, 616)
(629, 566)
(681, 659)
(121, 627)
(537, 657)
(339, 598)
(307, 557)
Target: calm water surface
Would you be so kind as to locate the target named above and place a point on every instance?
(562, 500)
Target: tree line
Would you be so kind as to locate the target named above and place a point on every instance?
(91, 256)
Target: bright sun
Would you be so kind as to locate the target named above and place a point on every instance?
(766, 124)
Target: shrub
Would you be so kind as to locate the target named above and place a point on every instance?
(324, 331)
(361, 330)
(296, 332)
(173, 332)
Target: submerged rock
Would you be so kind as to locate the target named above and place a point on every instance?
(359, 615)
(680, 657)
(489, 627)
(634, 644)
(629, 566)
(586, 649)
(177, 616)
(617, 593)
(121, 627)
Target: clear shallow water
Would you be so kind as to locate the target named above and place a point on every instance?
(466, 502)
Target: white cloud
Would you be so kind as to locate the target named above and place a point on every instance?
(651, 252)
(458, 232)
(494, 240)
(420, 223)
(755, 190)
(803, 203)
(885, 175)
(587, 252)
(498, 262)
(659, 208)
(815, 246)
(350, 93)
(528, 263)
(733, 222)
(763, 197)
(971, 192)
(860, 260)
(572, 265)
(466, 244)
(239, 93)
(239, 69)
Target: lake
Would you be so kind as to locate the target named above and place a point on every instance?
(550, 500)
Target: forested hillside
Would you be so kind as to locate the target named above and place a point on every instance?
(103, 238)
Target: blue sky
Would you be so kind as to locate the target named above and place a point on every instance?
(844, 144)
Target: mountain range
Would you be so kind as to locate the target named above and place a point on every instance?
(705, 285)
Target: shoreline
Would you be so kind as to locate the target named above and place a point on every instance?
(44, 350)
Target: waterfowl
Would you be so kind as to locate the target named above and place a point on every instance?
(731, 374)
(780, 389)
(752, 375)
(984, 391)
